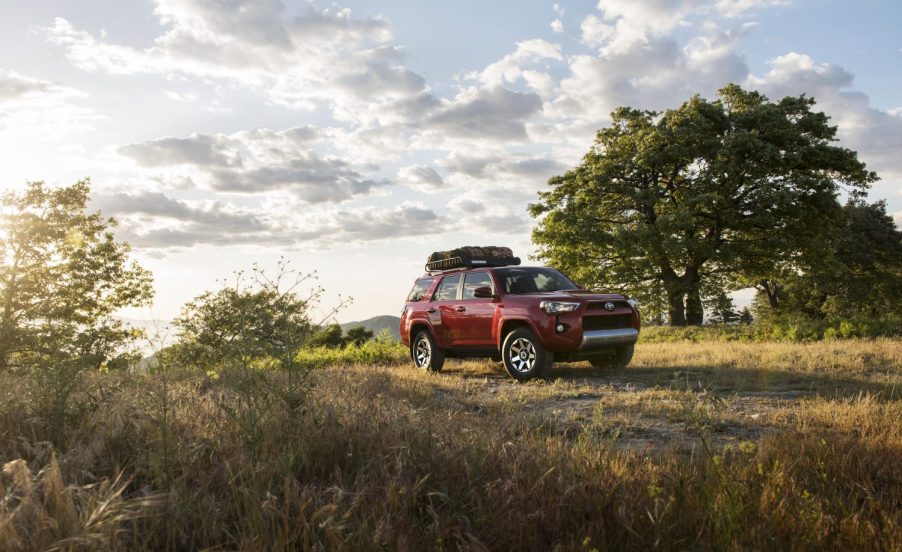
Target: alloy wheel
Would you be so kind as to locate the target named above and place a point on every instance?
(423, 352)
(522, 355)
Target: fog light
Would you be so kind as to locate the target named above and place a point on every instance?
(560, 328)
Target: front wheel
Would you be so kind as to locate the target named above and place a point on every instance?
(425, 354)
(524, 356)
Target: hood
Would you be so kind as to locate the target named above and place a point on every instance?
(574, 295)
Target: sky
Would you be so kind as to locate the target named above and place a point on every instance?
(354, 138)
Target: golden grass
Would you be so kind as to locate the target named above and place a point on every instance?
(724, 445)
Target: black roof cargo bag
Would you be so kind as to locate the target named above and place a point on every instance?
(470, 257)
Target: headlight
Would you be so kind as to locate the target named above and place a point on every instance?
(633, 303)
(553, 307)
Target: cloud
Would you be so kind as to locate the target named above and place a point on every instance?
(594, 31)
(513, 67)
(421, 179)
(14, 85)
(738, 8)
(557, 26)
(625, 23)
(199, 149)
(875, 134)
(494, 113)
(478, 214)
(298, 60)
(654, 73)
(375, 223)
(497, 167)
(256, 161)
(155, 221)
(34, 107)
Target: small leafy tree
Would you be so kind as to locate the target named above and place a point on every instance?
(329, 336)
(63, 276)
(359, 335)
(254, 321)
(745, 317)
(722, 309)
(252, 316)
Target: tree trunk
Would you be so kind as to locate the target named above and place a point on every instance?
(770, 289)
(695, 313)
(676, 313)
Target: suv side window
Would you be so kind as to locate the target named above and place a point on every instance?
(475, 280)
(447, 288)
(420, 287)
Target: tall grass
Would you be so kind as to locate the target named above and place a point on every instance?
(388, 457)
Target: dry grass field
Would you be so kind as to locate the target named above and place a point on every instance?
(723, 445)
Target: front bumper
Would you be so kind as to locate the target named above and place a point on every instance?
(600, 339)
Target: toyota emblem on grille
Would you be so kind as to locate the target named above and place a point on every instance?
(609, 306)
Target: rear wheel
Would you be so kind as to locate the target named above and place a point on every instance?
(524, 356)
(425, 354)
(618, 359)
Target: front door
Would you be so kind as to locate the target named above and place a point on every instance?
(477, 313)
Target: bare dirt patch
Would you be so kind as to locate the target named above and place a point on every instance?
(674, 396)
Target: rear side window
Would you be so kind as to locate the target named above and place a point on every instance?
(475, 280)
(447, 288)
(420, 287)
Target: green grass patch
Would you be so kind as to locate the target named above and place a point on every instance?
(787, 329)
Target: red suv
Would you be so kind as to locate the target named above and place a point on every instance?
(527, 317)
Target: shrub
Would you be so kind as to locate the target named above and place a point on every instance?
(378, 351)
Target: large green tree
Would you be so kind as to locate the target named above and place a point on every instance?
(62, 277)
(712, 191)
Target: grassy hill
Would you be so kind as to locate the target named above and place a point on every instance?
(376, 324)
(707, 446)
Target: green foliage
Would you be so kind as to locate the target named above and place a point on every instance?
(331, 336)
(713, 193)
(359, 335)
(860, 274)
(778, 328)
(248, 318)
(63, 275)
(380, 351)
(327, 336)
(722, 309)
(745, 316)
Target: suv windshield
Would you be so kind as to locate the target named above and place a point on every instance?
(533, 279)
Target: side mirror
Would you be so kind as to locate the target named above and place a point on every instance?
(484, 292)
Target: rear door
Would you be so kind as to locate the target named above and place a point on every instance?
(477, 313)
(443, 311)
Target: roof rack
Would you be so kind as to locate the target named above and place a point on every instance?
(470, 257)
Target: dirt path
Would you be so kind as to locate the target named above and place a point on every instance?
(639, 409)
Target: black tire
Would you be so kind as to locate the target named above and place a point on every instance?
(618, 359)
(425, 353)
(524, 356)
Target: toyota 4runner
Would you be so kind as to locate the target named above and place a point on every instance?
(527, 317)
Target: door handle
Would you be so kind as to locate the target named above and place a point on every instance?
(430, 309)
(460, 308)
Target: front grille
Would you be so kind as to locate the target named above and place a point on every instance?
(609, 322)
(600, 305)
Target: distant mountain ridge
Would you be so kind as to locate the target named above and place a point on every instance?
(376, 324)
